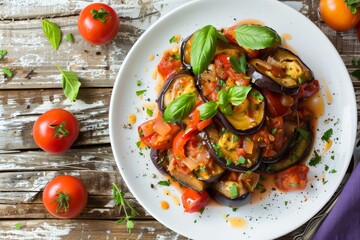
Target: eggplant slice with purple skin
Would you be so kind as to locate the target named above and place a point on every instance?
(281, 72)
(164, 162)
(177, 85)
(248, 117)
(297, 153)
(234, 189)
(223, 147)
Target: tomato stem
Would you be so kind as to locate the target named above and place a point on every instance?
(62, 202)
(60, 130)
(101, 14)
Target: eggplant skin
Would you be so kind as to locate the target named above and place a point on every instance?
(265, 82)
(185, 52)
(222, 161)
(233, 203)
(159, 160)
(299, 151)
(168, 87)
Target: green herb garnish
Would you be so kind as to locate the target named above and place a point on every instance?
(119, 198)
(70, 83)
(52, 33)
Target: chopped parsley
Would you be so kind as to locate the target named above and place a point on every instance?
(241, 160)
(239, 65)
(138, 83)
(140, 92)
(164, 183)
(315, 160)
(286, 203)
(175, 56)
(228, 162)
(235, 138)
(69, 37)
(3, 53)
(221, 83)
(304, 134)
(172, 39)
(327, 135)
(233, 191)
(258, 95)
(326, 167)
(149, 112)
(217, 149)
(17, 226)
(333, 171)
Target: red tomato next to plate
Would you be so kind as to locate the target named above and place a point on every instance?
(98, 23)
(65, 196)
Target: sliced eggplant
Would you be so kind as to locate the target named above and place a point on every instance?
(185, 51)
(248, 117)
(297, 153)
(289, 136)
(200, 161)
(164, 161)
(234, 189)
(225, 146)
(179, 84)
(282, 72)
(160, 159)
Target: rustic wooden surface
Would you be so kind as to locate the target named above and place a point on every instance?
(36, 87)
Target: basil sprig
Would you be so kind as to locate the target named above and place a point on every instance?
(70, 83)
(256, 36)
(208, 110)
(52, 32)
(234, 95)
(203, 48)
(180, 107)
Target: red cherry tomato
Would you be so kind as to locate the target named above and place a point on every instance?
(65, 196)
(337, 15)
(293, 178)
(194, 201)
(157, 134)
(98, 23)
(168, 64)
(56, 130)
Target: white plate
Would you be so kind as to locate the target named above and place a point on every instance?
(269, 218)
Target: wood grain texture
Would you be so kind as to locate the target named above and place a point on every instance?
(36, 88)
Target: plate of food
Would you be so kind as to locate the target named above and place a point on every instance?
(228, 121)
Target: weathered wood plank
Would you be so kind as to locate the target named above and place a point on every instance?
(15, 10)
(84, 229)
(19, 110)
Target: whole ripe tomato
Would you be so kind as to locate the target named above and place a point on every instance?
(98, 23)
(56, 130)
(65, 196)
(337, 15)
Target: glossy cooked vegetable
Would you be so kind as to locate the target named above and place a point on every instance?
(225, 124)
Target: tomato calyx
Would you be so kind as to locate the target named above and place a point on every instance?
(100, 15)
(60, 130)
(62, 201)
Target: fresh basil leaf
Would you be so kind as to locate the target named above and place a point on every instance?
(3, 53)
(239, 65)
(52, 32)
(7, 72)
(69, 37)
(208, 110)
(180, 107)
(203, 48)
(70, 83)
(256, 36)
(238, 94)
(224, 103)
(220, 36)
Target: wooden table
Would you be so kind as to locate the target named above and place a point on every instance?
(36, 88)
